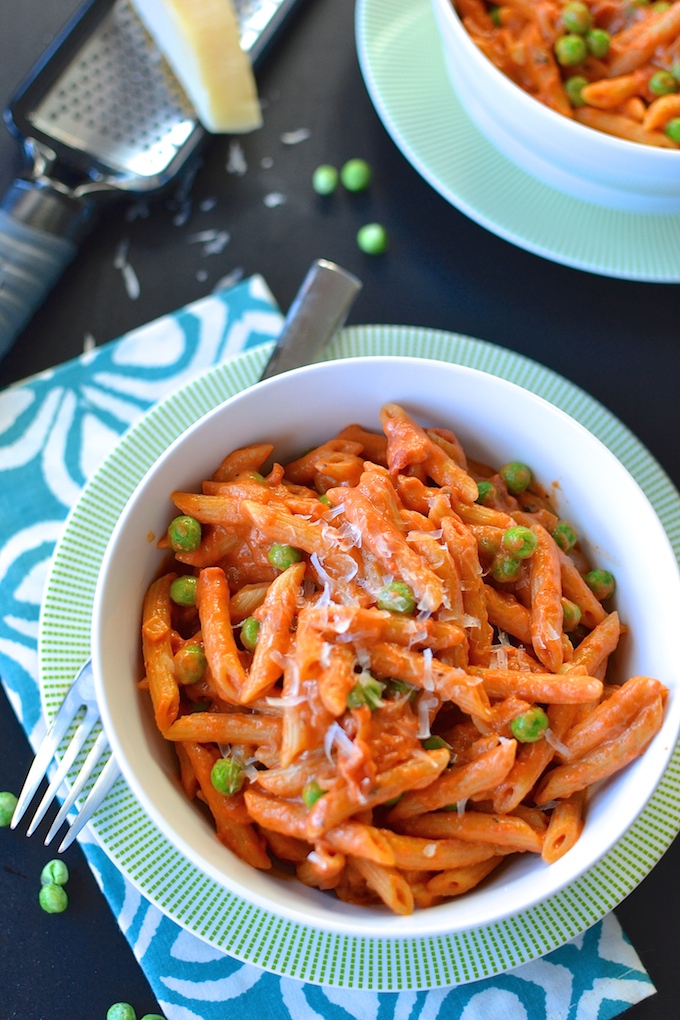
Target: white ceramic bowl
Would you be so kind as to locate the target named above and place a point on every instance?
(497, 421)
(578, 160)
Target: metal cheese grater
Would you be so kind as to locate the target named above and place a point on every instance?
(101, 115)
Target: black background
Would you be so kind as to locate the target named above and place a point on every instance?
(617, 339)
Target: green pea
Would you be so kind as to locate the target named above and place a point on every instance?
(449, 807)
(190, 663)
(576, 17)
(152, 1016)
(311, 793)
(372, 239)
(662, 83)
(486, 493)
(53, 898)
(250, 630)
(397, 597)
(433, 743)
(393, 800)
(505, 568)
(495, 15)
(517, 476)
(565, 535)
(184, 534)
(570, 50)
(520, 542)
(356, 175)
(574, 87)
(367, 691)
(675, 69)
(598, 41)
(8, 802)
(54, 873)
(672, 129)
(325, 500)
(121, 1011)
(183, 590)
(227, 776)
(530, 726)
(325, 179)
(283, 556)
(601, 583)
(571, 616)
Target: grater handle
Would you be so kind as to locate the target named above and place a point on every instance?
(39, 233)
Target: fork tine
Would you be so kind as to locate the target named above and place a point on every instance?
(99, 791)
(79, 738)
(88, 767)
(48, 746)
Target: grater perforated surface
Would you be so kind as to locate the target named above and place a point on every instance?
(119, 102)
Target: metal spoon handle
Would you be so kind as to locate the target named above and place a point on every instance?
(318, 310)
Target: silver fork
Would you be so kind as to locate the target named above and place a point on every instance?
(80, 694)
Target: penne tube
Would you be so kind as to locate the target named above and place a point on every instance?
(212, 601)
(233, 828)
(597, 646)
(501, 831)
(157, 652)
(569, 688)
(419, 852)
(546, 601)
(248, 458)
(564, 828)
(337, 805)
(604, 760)
(275, 616)
(388, 883)
(611, 718)
(457, 784)
(225, 728)
(457, 881)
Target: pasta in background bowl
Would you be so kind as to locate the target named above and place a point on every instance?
(559, 151)
(496, 422)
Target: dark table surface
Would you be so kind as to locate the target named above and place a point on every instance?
(617, 339)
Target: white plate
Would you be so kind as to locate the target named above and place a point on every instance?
(200, 904)
(403, 66)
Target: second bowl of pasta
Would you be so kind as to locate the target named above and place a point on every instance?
(376, 652)
(583, 96)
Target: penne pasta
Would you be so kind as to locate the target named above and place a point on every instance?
(356, 694)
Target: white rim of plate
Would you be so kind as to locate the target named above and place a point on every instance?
(202, 906)
(402, 62)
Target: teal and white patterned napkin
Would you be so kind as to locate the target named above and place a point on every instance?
(56, 428)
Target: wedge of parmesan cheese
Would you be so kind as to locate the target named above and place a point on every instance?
(200, 41)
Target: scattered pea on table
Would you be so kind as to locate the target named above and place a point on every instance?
(372, 239)
(8, 802)
(54, 873)
(325, 179)
(53, 898)
(356, 175)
